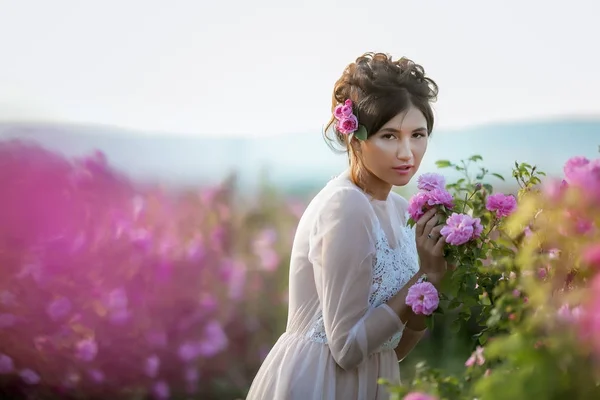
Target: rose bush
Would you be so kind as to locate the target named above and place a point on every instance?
(113, 290)
(539, 334)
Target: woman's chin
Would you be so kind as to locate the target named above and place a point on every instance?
(402, 180)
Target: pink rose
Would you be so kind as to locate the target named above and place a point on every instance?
(416, 204)
(422, 298)
(431, 181)
(460, 228)
(337, 112)
(422, 201)
(573, 165)
(342, 111)
(346, 111)
(440, 197)
(502, 204)
(347, 125)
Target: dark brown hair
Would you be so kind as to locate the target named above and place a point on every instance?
(380, 88)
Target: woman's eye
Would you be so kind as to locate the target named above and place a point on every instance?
(419, 135)
(388, 136)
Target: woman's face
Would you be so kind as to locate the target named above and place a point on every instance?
(394, 153)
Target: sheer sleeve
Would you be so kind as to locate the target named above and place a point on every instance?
(342, 248)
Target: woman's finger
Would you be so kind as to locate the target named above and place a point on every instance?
(439, 246)
(433, 221)
(420, 226)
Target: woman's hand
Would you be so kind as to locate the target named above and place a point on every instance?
(430, 246)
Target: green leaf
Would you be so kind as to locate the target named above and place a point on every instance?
(361, 133)
(476, 157)
(483, 338)
(429, 321)
(443, 163)
(456, 325)
(498, 176)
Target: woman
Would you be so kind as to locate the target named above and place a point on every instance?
(353, 257)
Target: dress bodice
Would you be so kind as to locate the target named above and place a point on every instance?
(393, 267)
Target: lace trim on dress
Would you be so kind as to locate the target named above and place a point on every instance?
(392, 269)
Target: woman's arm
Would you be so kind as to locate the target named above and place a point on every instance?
(342, 249)
(410, 338)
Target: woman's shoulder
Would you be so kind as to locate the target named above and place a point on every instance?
(340, 198)
(344, 197)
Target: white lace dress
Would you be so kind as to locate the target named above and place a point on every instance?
(350, 255)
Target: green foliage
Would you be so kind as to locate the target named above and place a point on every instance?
(496, 285)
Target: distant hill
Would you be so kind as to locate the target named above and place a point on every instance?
(302, 161)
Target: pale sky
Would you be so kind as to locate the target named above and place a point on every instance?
(265, 67)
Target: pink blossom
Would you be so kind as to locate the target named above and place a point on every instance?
(29, 376)
(214, 340)
(7, 320)
(476, 358)
(156, 338)
(416, 204)
(7, 298)
(591, 255)
(423, 298)
(96, 375)
(347, 125)
(573, 166)
(440, 197)
(151, 366)
(502, 204)
(58, 308)
(117, 299)
(189, 351)
(422, 201)
(419, 396)
(7, 365)
(431, 181)
(461, 228)
(119, 316)
(161, 390)
(191, 374)
(567, 314)
(584, 174)
(346, 110)
(343, 110)
(87, 349)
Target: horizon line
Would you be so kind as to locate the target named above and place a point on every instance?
(570, 117)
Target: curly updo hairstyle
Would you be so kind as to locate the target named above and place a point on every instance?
(380, 88)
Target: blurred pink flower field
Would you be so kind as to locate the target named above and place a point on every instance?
(110, 289)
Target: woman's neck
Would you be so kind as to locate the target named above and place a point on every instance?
(373, 186)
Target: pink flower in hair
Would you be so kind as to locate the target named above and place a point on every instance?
(343, 110)
(347, 125)
(347, 122)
